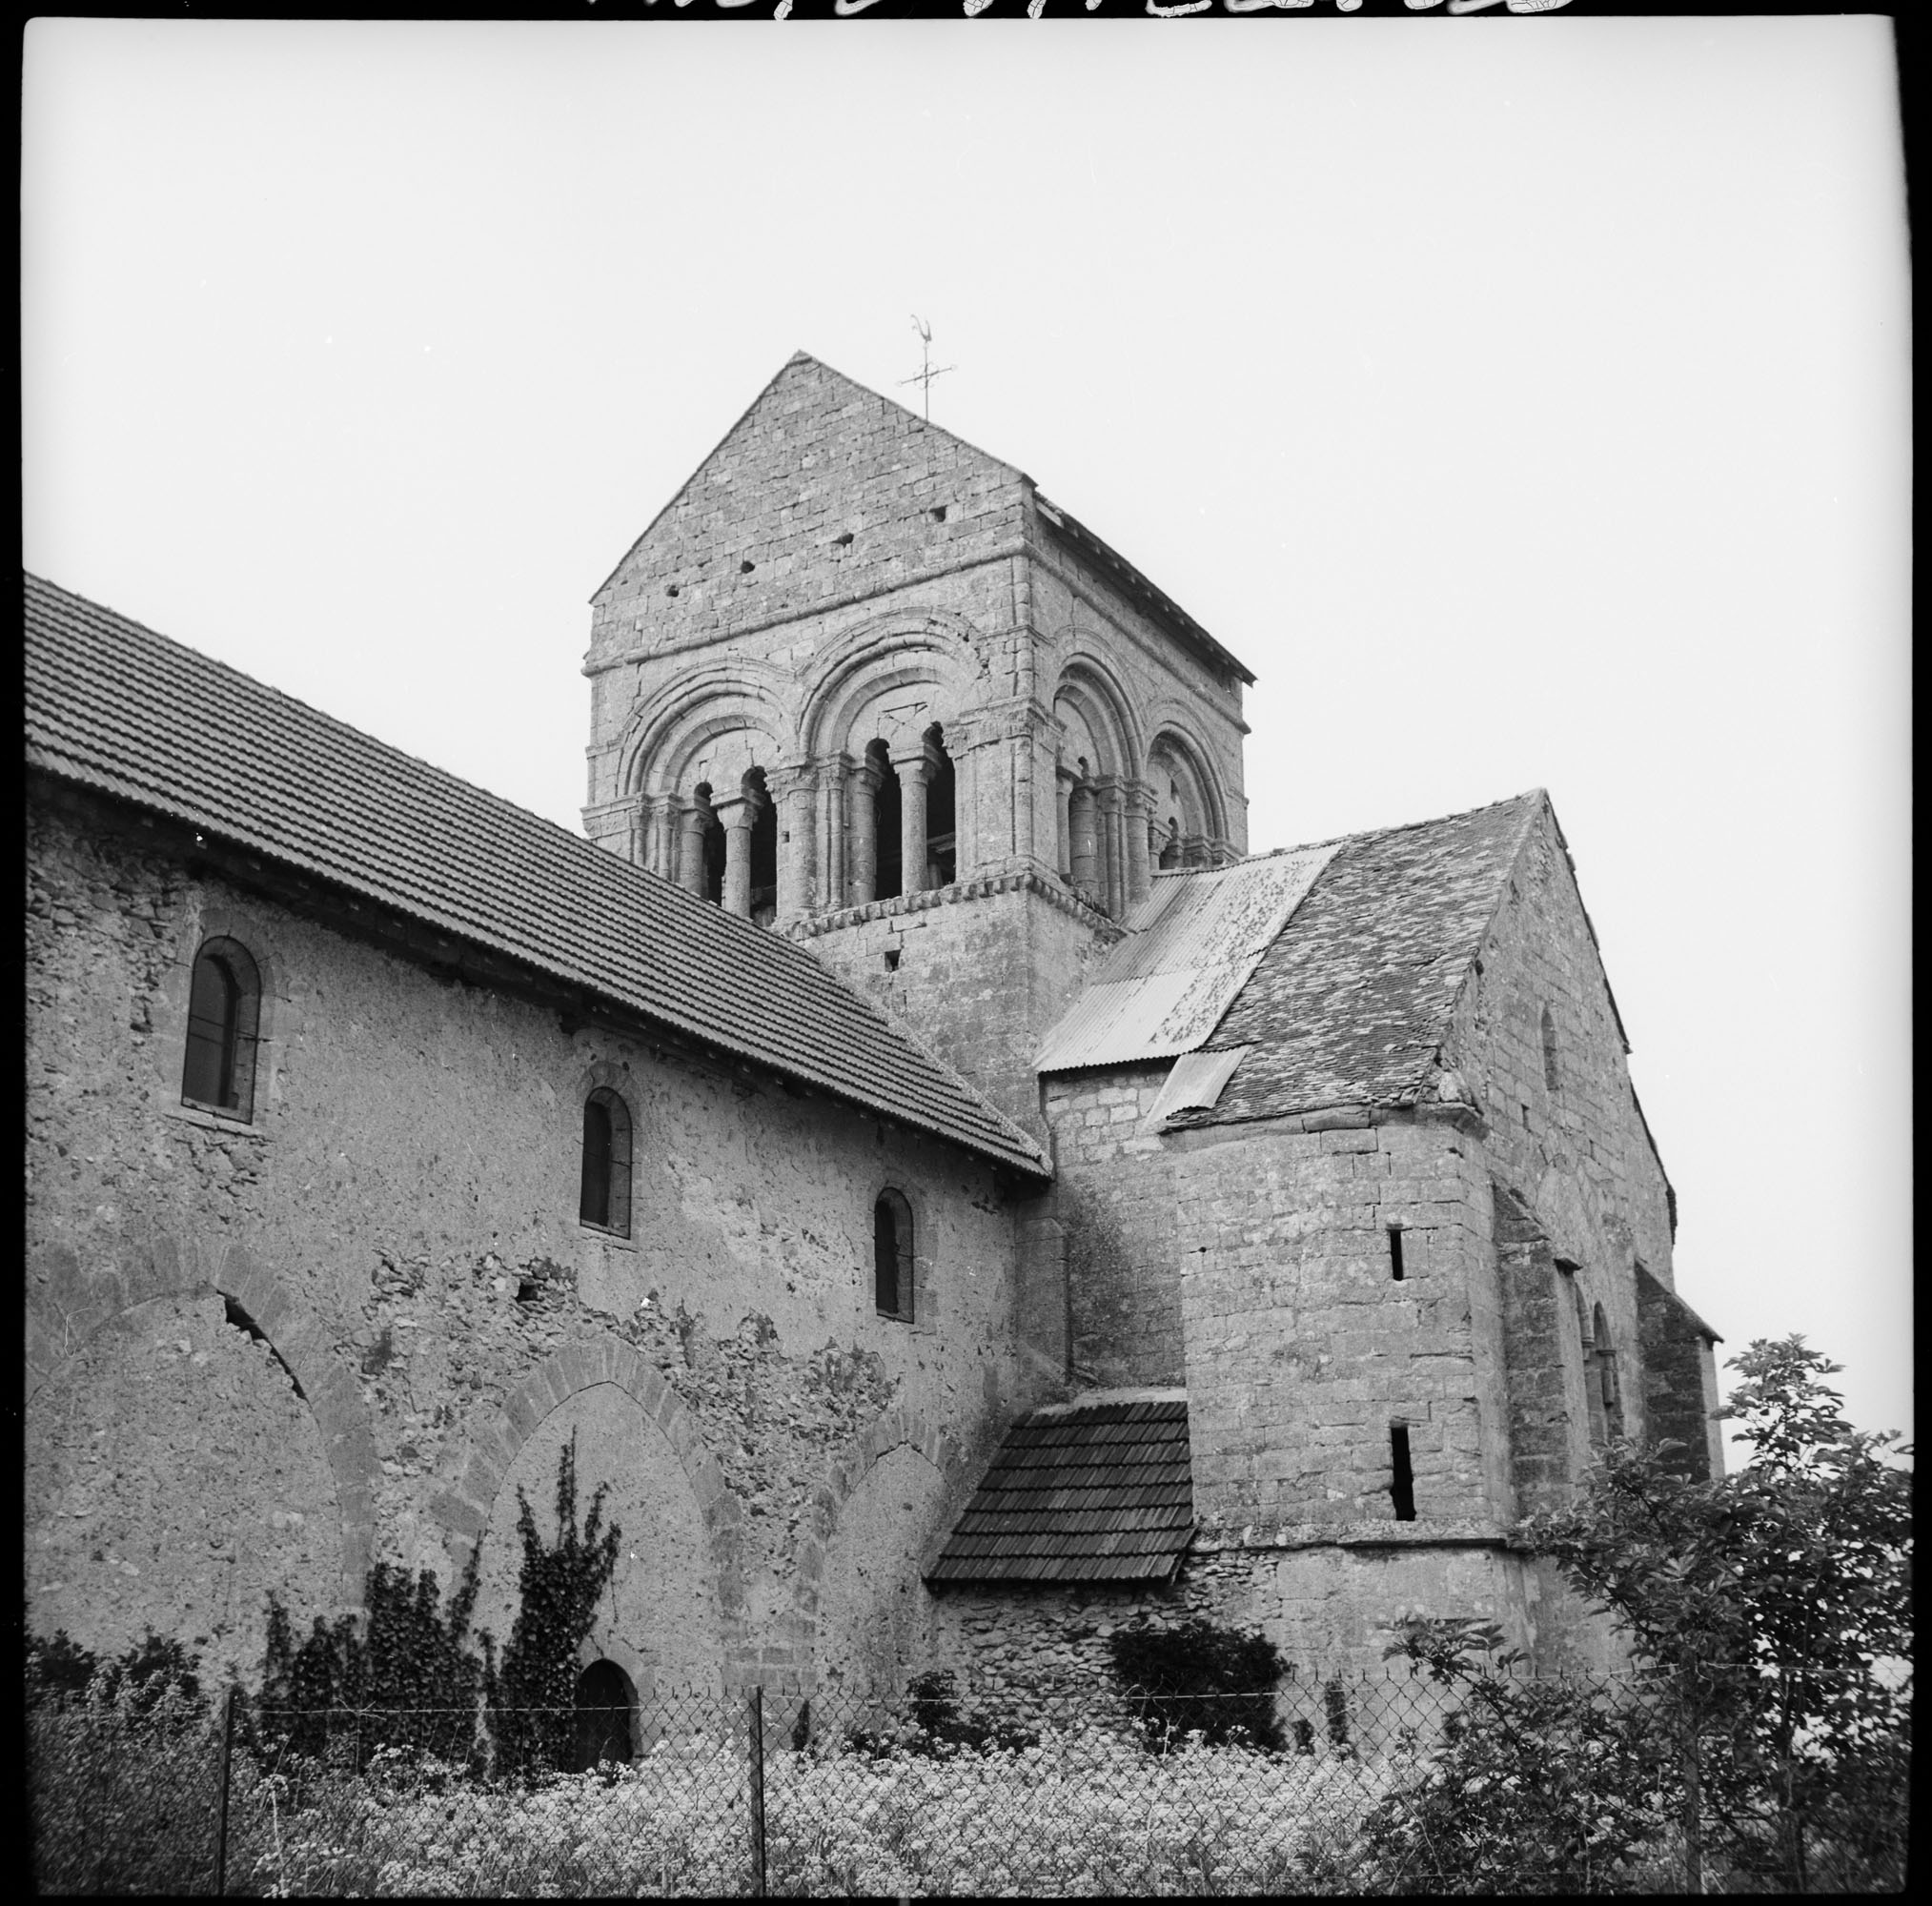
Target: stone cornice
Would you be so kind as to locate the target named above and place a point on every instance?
(1469, 1533)
(980, 888)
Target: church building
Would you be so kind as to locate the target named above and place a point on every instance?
(955, 1193)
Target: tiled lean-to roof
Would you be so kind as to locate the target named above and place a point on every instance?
(1098, 1491)
(1354, 996)
(116, 707)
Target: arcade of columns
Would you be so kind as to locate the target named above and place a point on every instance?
(1107, 849)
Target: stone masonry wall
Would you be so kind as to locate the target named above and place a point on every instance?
(976, 973)
(1115, 1193)
(398, 1225)
(1302, 1348)
(1575, 1153)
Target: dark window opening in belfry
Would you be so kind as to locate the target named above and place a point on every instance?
(603, 1718)
(711, 879)
(942, 856)
(763, 844)
(888, 882)
(604, 1196)
(892, 1256)
(224, 1013)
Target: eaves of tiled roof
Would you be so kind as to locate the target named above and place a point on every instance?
(114, 707)
(1350, 1004)
(1096, 1490)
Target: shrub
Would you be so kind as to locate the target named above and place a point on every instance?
(1200, 1678)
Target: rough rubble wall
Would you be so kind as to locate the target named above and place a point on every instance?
(1302, 1349)
(1115, 1194)
(976, 973)
(427, 1230)
(1327, 1607)
(171, 1466)
(875, 1613)
(660, 1619)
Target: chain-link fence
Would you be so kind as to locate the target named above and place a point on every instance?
(1329, 1782)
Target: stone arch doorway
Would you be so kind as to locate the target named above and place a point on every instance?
(606, 1704)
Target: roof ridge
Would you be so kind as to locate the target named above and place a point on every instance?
(471, 895)
(1370, 833)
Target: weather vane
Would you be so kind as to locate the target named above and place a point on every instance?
(925, 372)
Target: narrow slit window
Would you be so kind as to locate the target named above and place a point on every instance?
(1402, 1483)
(892, 1256)
(224, 1013)
(604, 1194)
(1395, 1271)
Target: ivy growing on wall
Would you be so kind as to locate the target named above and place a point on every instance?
(530, 1695)
(406, 1674)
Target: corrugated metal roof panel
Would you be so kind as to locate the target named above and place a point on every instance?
(1196, 1081)
(1189, 948)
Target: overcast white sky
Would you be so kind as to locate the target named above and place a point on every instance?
(1524, 401)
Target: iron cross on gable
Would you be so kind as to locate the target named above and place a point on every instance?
(925, 372)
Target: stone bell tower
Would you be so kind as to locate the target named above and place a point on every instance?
(860, 682)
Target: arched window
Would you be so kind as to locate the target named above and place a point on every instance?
(1548, 1051)
(224, 1012)
(892, 1256)
(605, 1200)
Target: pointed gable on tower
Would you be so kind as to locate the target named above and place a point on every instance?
(822, 491)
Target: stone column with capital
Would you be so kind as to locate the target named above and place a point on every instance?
(863, 875)
(911, 770)
(1063, 799)
(1139, 847)
(691, 822)
(1113, 875)
(736, 816)
(831, 806)
(791, 790)
(1082, 824)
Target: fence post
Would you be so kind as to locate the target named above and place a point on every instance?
(758, 1792)
(221, 1815)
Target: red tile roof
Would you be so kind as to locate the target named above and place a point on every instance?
(1090, 1492)
(118, 708)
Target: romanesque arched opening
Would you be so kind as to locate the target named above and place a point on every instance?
(762, 847)
(603, 1699)
(941, 837)
(706, 864)
(888, 862)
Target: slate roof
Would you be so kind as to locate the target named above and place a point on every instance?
(1095, 1490)
(118, 708)
(1350, 1002)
